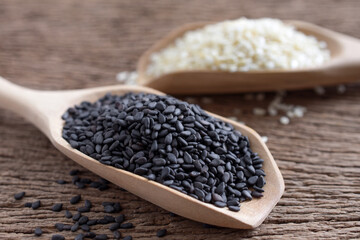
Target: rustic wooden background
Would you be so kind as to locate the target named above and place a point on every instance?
(73, 44)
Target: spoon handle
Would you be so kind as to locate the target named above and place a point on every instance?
(25, 102)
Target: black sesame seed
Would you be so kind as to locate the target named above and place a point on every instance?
(57, 237)
(75, 199)
(87, 204)
(59, 226)
(101, 237)
(109, 209)
(126, 225)
(75, 227)
(80, 236)
(161, 233)
(36, 204)
(120, 218)
(127, 238)
(234, 208)
(76, 217)
(61, 181)
(19, 195)
(91, 222)
(74, 172)
(83, 209)
(28, 204)
(117, 235)
(38, 231)
(114, 226)
(57, 207)
(85, 228)
(83, 220)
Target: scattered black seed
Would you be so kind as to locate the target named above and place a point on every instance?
(38, 231)
(76, 217)
(57, 207)
(85, 227)
(117, 235)
(126, 225)
(120, 218)
(92, 222)
(83, 220)
(172, 214)
(74, 172)
(87, 204)
(61, 181)
(57, 237)
(68, 214)
(109, 219)
(28, 204)
(101, 237)
(114, 226)
(127, 238)
(109, 209)
(80, 236)
(36, 204)
(75, 199)
(75, 227)
(83, 209)
(59, 226)
(19, 195)
(168, 141)
(161, 233)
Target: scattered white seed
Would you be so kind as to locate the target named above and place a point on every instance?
(264, 139)
(319, 90)
(122, 77)
(259, 111)
(284, 120)
(290, 114)
(272, 111)
(299, 111)
(341, 89)
(206, 100)
(233, 118)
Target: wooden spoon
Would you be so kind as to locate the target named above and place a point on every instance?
(44, 110)
(344, 66)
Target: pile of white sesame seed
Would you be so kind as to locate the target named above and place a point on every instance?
(240, 45)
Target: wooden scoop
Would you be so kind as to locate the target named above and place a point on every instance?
(44, 110)
(343, 67)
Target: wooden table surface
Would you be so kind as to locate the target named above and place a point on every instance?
(74, 44)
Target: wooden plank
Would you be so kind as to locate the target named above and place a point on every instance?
(69, 44)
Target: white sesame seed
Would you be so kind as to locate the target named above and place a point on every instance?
(233, 118)
(284, 120)
(237, 111)
(341, 89)
(264, 139)
(259, 111)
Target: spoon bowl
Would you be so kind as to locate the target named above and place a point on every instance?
(343, 67)
(45, 108)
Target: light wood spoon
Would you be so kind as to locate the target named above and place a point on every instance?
(344, 66)
(44, 110)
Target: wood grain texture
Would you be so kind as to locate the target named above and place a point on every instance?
(71, 44)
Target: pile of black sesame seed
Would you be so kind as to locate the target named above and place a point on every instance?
(169, 141)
